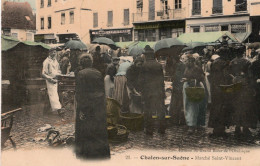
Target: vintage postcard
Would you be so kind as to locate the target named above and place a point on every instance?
(130, 82)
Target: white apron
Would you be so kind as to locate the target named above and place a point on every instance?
(51, 68)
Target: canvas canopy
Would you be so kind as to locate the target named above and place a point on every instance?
(141, 44)
(9, 43)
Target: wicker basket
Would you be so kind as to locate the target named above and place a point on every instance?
(113, 111)
(111, 130)
(132, 121)
(120, 136)
(231, 88)
(195, 94)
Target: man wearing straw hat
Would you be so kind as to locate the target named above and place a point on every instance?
(152, 91)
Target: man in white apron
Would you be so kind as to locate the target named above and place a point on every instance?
(50, 71)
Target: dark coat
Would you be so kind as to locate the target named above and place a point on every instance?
(220, 114)
(254, 71)
(99, 63)
(152, 79)
(243, 100)
(176, 104)
(153, 93)
(111, 71)
(132, 75)
(91, 128)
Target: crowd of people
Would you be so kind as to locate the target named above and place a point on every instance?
(226, 83)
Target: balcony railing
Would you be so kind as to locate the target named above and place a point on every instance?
(160, 15)
(217, 10)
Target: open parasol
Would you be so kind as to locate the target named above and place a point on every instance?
(75, 45)
(168, 47)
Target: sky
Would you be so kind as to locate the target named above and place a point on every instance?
(32, 3)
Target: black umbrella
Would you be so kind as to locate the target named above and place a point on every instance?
(75, 45)
(169, 46)
(106, 41)
(135, 51)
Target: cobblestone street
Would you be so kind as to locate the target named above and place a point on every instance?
(26, 136)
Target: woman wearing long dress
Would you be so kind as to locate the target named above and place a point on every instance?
(194, 111)
(120, 86)
(91, 138)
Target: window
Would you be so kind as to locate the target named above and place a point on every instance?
(71, 17)
(139, 4)
(95, 20)
(110, 18)
(126, 16)
(29, 37)
(224, 27)
(49, 2)
(196, 7)
(42, 23)
(238, 28)
(62, 18)
(147, 35)
(15, 35)
(212, 28)
(151, 10)
(195, 29)
(165, 33)
(217, 6)
(7, 32)
(177, 32)
(49, 22)
(177, 4)
(241, 5)
(42, 3)
(165, 6)
(141, 35)
(150, 35)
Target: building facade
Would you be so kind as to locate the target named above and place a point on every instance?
(159, 19)
(18, 20)
(62, 20)
(143, 20)
(220, 15)
(112, 19)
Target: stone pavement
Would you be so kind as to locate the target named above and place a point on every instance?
(26, 136)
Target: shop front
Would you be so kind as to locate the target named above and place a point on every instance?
(239, 25)
(45, 38)
(117, 35)
(154, 31)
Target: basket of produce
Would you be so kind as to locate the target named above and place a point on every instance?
(120, 136)
(195, 94)
(113, 111)
(231, 88)
(111, 130)
(132, 121)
